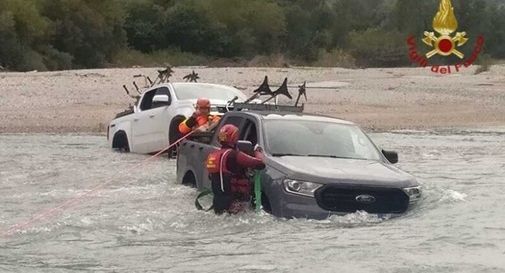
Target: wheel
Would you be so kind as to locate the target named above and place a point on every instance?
(265, 203)
(120, 142)
(174, 135)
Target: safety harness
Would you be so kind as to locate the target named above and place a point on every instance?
(237, 185)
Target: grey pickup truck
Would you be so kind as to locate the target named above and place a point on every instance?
(316, 166)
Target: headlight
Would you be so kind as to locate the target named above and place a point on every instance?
(414, 193)
(301, 187)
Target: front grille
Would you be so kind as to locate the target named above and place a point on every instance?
(343, 199)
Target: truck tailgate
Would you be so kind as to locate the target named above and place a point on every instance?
(192, 157)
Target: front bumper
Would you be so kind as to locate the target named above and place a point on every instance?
(340, 200)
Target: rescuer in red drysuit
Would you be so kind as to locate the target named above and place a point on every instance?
(227, 170)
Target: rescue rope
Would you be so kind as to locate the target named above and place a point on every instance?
(257, 194)
(257, 190)
(198, 206)
(41, 216)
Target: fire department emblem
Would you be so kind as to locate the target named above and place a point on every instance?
(445, 24)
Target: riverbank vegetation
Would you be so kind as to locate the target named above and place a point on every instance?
(70, 34)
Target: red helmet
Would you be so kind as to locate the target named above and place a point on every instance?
(203, 103)
(228, 135)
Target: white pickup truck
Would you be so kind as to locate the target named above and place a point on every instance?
(153, 122)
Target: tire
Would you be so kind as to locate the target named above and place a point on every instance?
(174, 135)
(265, 203)
(120, 142)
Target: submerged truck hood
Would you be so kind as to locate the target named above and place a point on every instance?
(339, 170)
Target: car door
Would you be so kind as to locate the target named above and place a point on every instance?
(143, 124)
(162, 113)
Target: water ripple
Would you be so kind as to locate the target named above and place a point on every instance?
(142, 221)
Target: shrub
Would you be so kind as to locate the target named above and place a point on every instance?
(90, 31)
(484, 63)
(375, 47)
(275, 60)
(129, 58)
(335, 58)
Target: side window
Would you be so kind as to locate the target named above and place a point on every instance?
(147, 100)
(249, 132)
(161, 91)
(235, 120)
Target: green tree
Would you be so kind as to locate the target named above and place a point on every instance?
(89, 30)
(187, 27)
(144, 25)
(23, 31)
(62, 34)
(253, 27)
(413, 16)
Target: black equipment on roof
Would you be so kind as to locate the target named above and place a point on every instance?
(192, 77)
(262, 90)
(282, 90)
(266, 107)
(302, 90)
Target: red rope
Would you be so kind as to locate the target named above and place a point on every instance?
(45, 214)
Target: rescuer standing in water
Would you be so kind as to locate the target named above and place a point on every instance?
(228, 172)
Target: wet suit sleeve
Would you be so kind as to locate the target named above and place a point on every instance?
(246, 161)
(215, 119)
(187, 124)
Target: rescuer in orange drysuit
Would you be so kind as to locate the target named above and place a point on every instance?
(201, 118)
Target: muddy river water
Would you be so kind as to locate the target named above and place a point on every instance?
(68, 203)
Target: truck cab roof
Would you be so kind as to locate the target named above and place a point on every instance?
(274, 115)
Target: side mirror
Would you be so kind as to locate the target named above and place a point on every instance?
(391, 156)
(245, 147)
(161, 99)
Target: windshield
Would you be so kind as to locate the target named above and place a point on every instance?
(320, 139)
(185, 91)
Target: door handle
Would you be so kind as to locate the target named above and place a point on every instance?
(192, 145)
(200, 148)
(151, 116)
(135, 119)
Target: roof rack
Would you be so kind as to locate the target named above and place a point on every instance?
(264, 89)
(266, 107)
